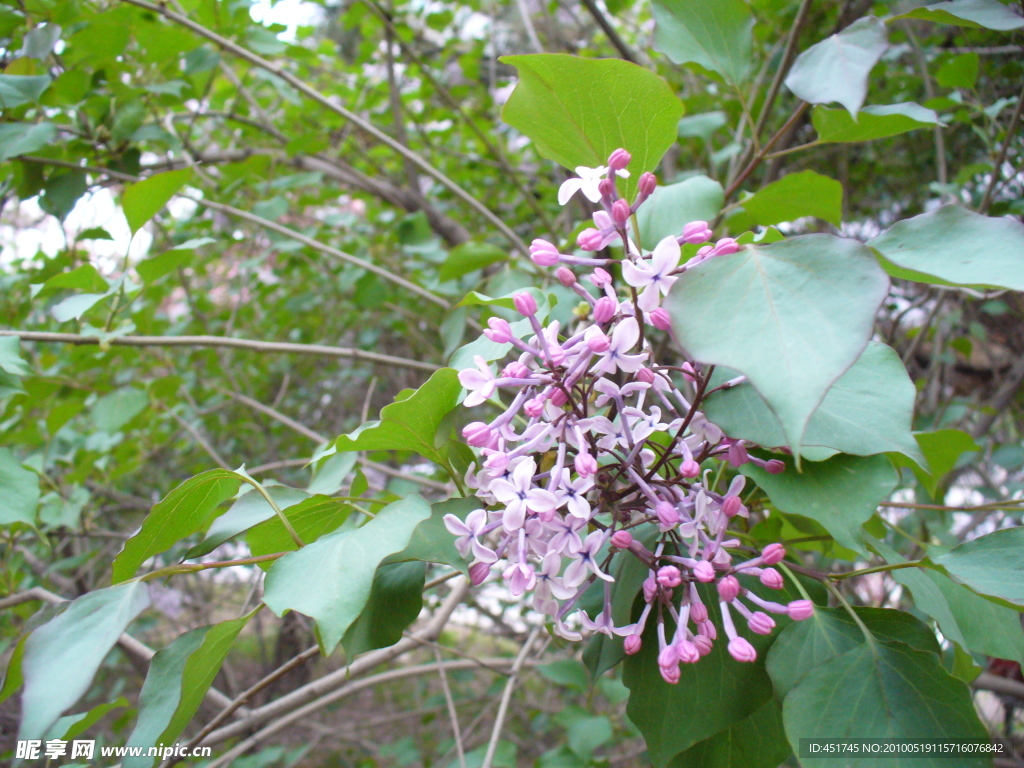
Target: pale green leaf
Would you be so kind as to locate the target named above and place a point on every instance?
(989, 14)
(990, 565)
(20, 494)
(142, 200)
(16, 90)
(716, 36)
(24, 138)
(872, 122)
(804, 193)
(671, 207)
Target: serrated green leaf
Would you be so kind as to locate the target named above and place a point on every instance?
(716, 36)
(954, 246)
(62, 656)
(184, 511)
(805, 193)
(578, 111)
(142, 200)
(800, 313)
(837, 68)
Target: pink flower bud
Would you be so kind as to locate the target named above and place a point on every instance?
(669, 576)
(799, 610)
(728, 588)
(586, 464)
(707, 629)
(667, 514)
(525, 304)
(696, 232)
(533, 407)
(632, 644)
(704, 571)
(558, 398)
(731, 505)
(772, 579)
(477, 434)
(597, 341)
(622, 539)
(498, 330)
(775, 467)
(660, 319)
(726, 246)
(620, 212)
(565, 276)
(600, 277)
(761, 623)
(497, 461)
(619, 159)
(689, 373)
(698, 612)
(703, 253)
(689, 468)
(773, 554)
(647, 184)
(606, 187)
(515, 370)
(741, 650)
(645, 375)
(543, 253)
(605, 309)
(670, 675)
(704, 644)
(650, 589)
(478, 573)
(668, 657)
(687, 652)
(589, 240)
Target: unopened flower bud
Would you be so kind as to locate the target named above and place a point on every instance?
(543, 253)
(687, 652)
(707, 629)
(726, 246)
(515, 370)
(632, 644)
(668, 657)
(688, 372)
(605, 309)
(478, 573)
(772, 579)
(669, 576)
(775, 467)
(741, 650)
(606, 188)
(497, 461)
(689, 468)
(799, 610)
(477, 434)
(525, 304)
(773, 554)
(647, 183)
(698, 612)
(565, 276)
(667, 513)
(670, 675)
(645, 375)
(728, 588)
(498, 330)
(589, 240)
(731, 506)
(622, 539)
(585, 464)
(533, 407)
(650, 589)
(696, 232)
(704, 571)
(761, 623)
(600, 277)
(704, 644)
(619, 159)
(660, 319)
(558, 398)
(620, 212)
(703, 253)
(596, 340)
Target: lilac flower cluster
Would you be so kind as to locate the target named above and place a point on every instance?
(598, 439)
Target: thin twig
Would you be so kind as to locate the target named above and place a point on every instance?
(1011, 132)
(609, 30)
(452, 714)
(506, 696)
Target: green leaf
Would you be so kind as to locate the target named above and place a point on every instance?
(39, 41)
(698, 198)
(578, 111)
(82, 278)
(881, 689)
(179, 256)
(867, 411)
(248, 510)
(396, 599)
(310, 518)
(990, 565)
(986, 627)
(62, 656)
(587, 734)
(873, 122)
(73, 307)
(568, 673)
(23, 138)
(114, 410)
(178, 679)
(700, 126)
(70, 726)
(830, 632)
(10, 357)
(184, 511)
(759, 741)
(470, 256)
(837, 68)
(841, 493)
(954, 246)
(805, 193)
(990, 14)
(62, 192)
(342, 565)
(431, 542)
(960, 71)
(800, 313)
(142, 200)
(716, 36)
(411, 424)
(20, 491)
(16, 90)
(941, 449)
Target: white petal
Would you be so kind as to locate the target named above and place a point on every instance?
(569, 188)
(636, 275)
(590, 189)
(666, 255)
(625, 335)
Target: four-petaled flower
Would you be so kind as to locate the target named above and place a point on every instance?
(616, 357)
(479, 381)
(654, 276)
(587, 183)
(520, 496)
(585, 559)
(470, 535)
